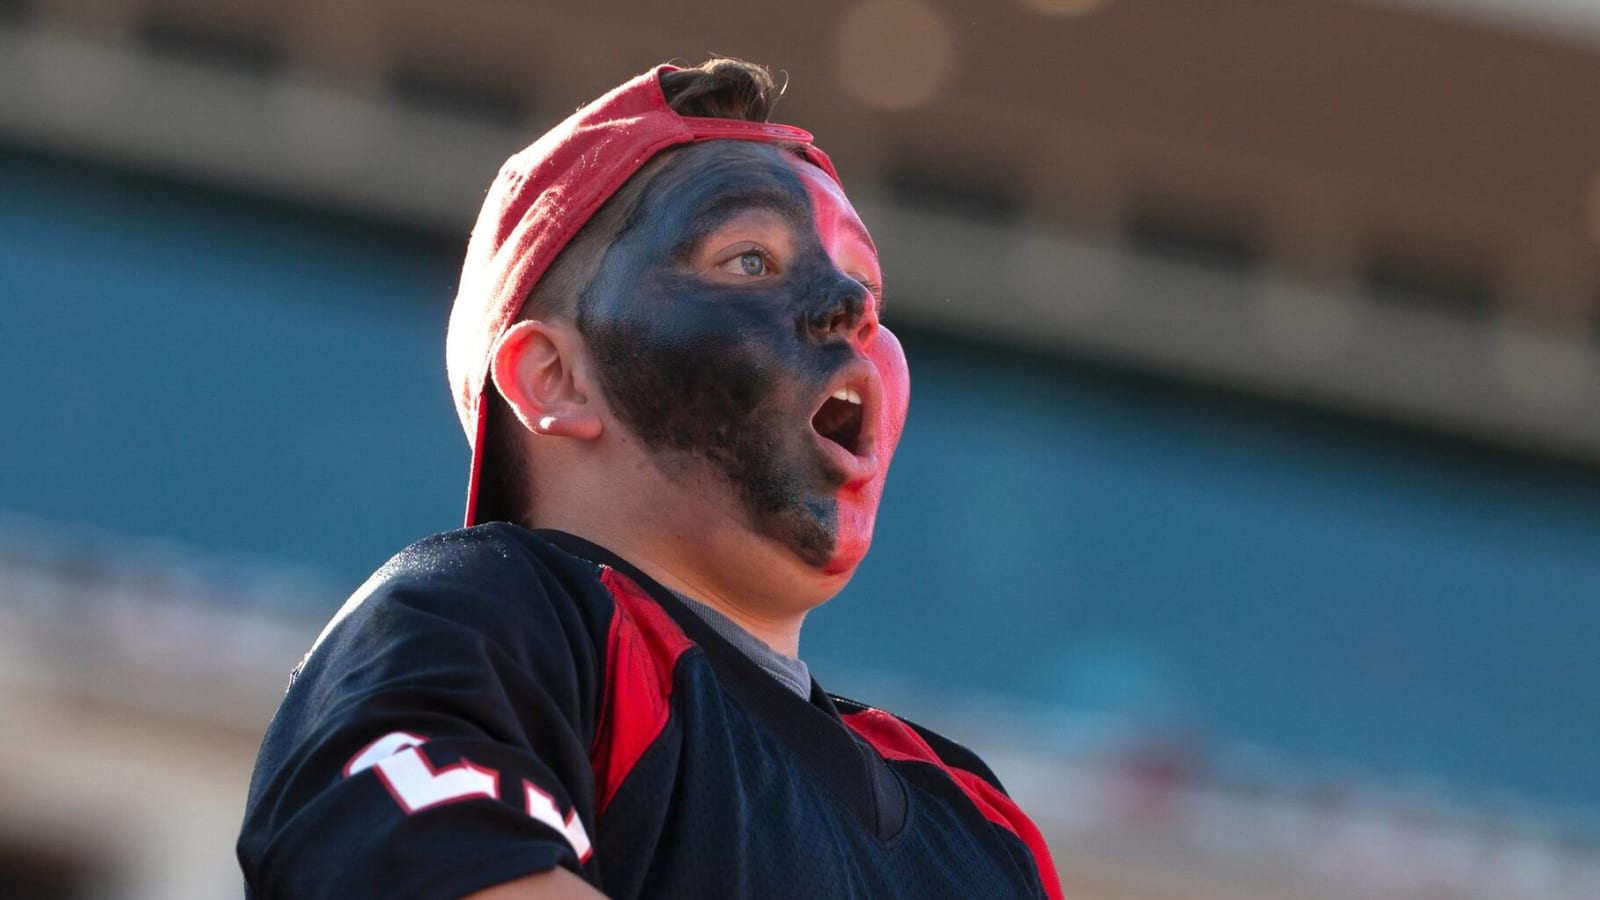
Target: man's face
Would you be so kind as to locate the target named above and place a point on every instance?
(734, 322)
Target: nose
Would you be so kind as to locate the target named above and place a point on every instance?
(842, 311)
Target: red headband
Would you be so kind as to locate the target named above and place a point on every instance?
(542, 197)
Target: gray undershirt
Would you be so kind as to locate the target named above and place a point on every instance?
(790, 672)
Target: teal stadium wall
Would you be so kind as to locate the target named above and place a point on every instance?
(263, 381)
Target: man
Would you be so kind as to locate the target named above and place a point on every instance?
(666, 353)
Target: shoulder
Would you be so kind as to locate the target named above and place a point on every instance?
(495, 580)
(895, 737)
(495, 561)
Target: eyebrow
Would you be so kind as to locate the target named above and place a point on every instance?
(720, 210)
(798, 215)
(859, 229)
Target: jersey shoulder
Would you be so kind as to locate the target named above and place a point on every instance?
(469, 664)
(488, 579)
(868, 721)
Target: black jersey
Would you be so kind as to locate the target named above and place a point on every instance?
(495, 702)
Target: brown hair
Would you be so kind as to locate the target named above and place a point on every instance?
(720, 88)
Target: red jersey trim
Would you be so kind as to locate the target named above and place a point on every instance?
(894, 739)
(642, 649)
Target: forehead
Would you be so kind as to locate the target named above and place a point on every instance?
(704, 179)
(831, 209)
(705, 183)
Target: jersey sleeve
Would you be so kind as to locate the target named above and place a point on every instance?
(435, 741)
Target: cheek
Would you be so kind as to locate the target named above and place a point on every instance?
(887, 355)
(858, 509)
(701, 340)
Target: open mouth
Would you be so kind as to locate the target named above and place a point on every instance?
(845, 423)
(840, 419)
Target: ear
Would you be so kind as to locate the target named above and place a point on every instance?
(534, 368)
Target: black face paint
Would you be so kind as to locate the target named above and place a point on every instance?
(726, 373)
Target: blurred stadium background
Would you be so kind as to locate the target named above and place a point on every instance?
(1248, 513)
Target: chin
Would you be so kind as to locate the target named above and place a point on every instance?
(851, 539)
(819, 583)
(840, 568)
(809, 578)
(847, 555)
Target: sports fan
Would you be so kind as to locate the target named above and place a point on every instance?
(667, 356)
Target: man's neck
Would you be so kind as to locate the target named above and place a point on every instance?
(780, 632)
(690, 570)
(788, 671)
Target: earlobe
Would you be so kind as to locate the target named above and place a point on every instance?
(533, 368)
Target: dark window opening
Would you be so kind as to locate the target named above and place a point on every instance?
(209, 45)
(16, 12)
(456, 96)
(1180, 239)
(946, 192)
(28, 873)
(1433, 287)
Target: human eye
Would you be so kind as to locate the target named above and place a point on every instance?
(750, 261)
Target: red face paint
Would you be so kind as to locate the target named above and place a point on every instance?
(850, 247)
(729, 312)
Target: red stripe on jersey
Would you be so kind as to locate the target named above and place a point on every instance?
(641, 650)
(894, 739)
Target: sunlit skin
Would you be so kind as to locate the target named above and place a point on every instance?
(737, 299)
